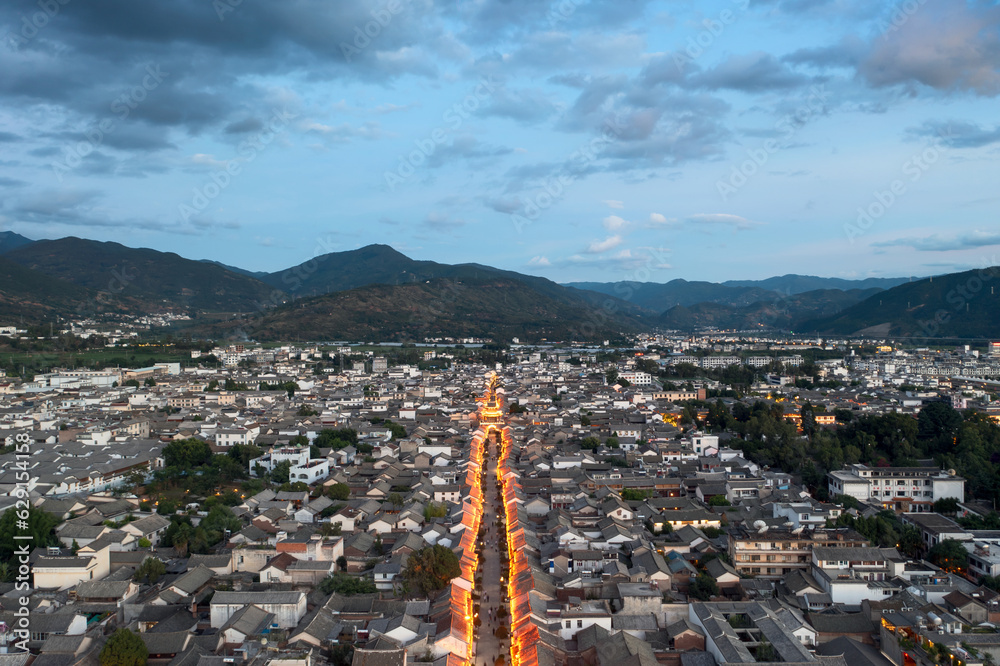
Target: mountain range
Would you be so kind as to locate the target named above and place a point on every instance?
(376, 292)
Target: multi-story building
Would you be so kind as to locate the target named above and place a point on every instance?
(906, 489)
(712, 362)
(637, 378)
(772, 553)
(851, 575)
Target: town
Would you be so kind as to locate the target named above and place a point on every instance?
(682, 500)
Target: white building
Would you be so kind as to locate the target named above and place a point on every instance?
(851, 575)
(899, 488)
(288, 607)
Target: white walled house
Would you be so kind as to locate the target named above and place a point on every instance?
(288, 607)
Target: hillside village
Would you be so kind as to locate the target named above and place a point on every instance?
(262, 512)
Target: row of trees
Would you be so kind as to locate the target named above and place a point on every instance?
(967, 442)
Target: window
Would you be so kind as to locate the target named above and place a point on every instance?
(579, 624)
(569, 623)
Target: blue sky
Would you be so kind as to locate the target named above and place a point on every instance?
(574, 139)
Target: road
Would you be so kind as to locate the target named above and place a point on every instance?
(488, 647)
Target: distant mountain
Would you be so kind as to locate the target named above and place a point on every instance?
(960, 305)
(236, 269)
(660, 297)
(11, 241)
(783, 314)
(381, 264)
(497, 308)
(157, 280)
(796, 284)
(33, 297)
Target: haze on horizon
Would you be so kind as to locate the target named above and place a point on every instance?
(574, 139)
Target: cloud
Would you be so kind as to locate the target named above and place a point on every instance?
(527, 105)
(539, 261)
(609, 243)
(614, 223)
(721, 219)
(82, 208)
(441, 221)
(612, 203)
(660, 219)
(752, 72)
(345, 132)
(935, 243)
(945, 44)
(957, 134)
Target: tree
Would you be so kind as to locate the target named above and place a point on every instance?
(910, 541)
(938, 422)
(187, 453)
(435, 510)
(150, 570)
(430, 569)
(590, 443)
(346, 585)
(703, 587)
(395, 499)
(718, 500)
(124, 648)
(946, 505)
(281, 472)
(40, 526)
(339, 491)
(950, 555)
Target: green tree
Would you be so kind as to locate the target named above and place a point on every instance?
(946, 505)
(40, 527)
(281, 471)
(395, 499)
(435, 510)
(430, 569)
(339, 491)
(703, 587)
(950, 555)
(590, 443)
(149, 571)
(346, 585)
(719, 500)
(124, 648)
(187, 453)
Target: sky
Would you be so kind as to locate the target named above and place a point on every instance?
(579, 140)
